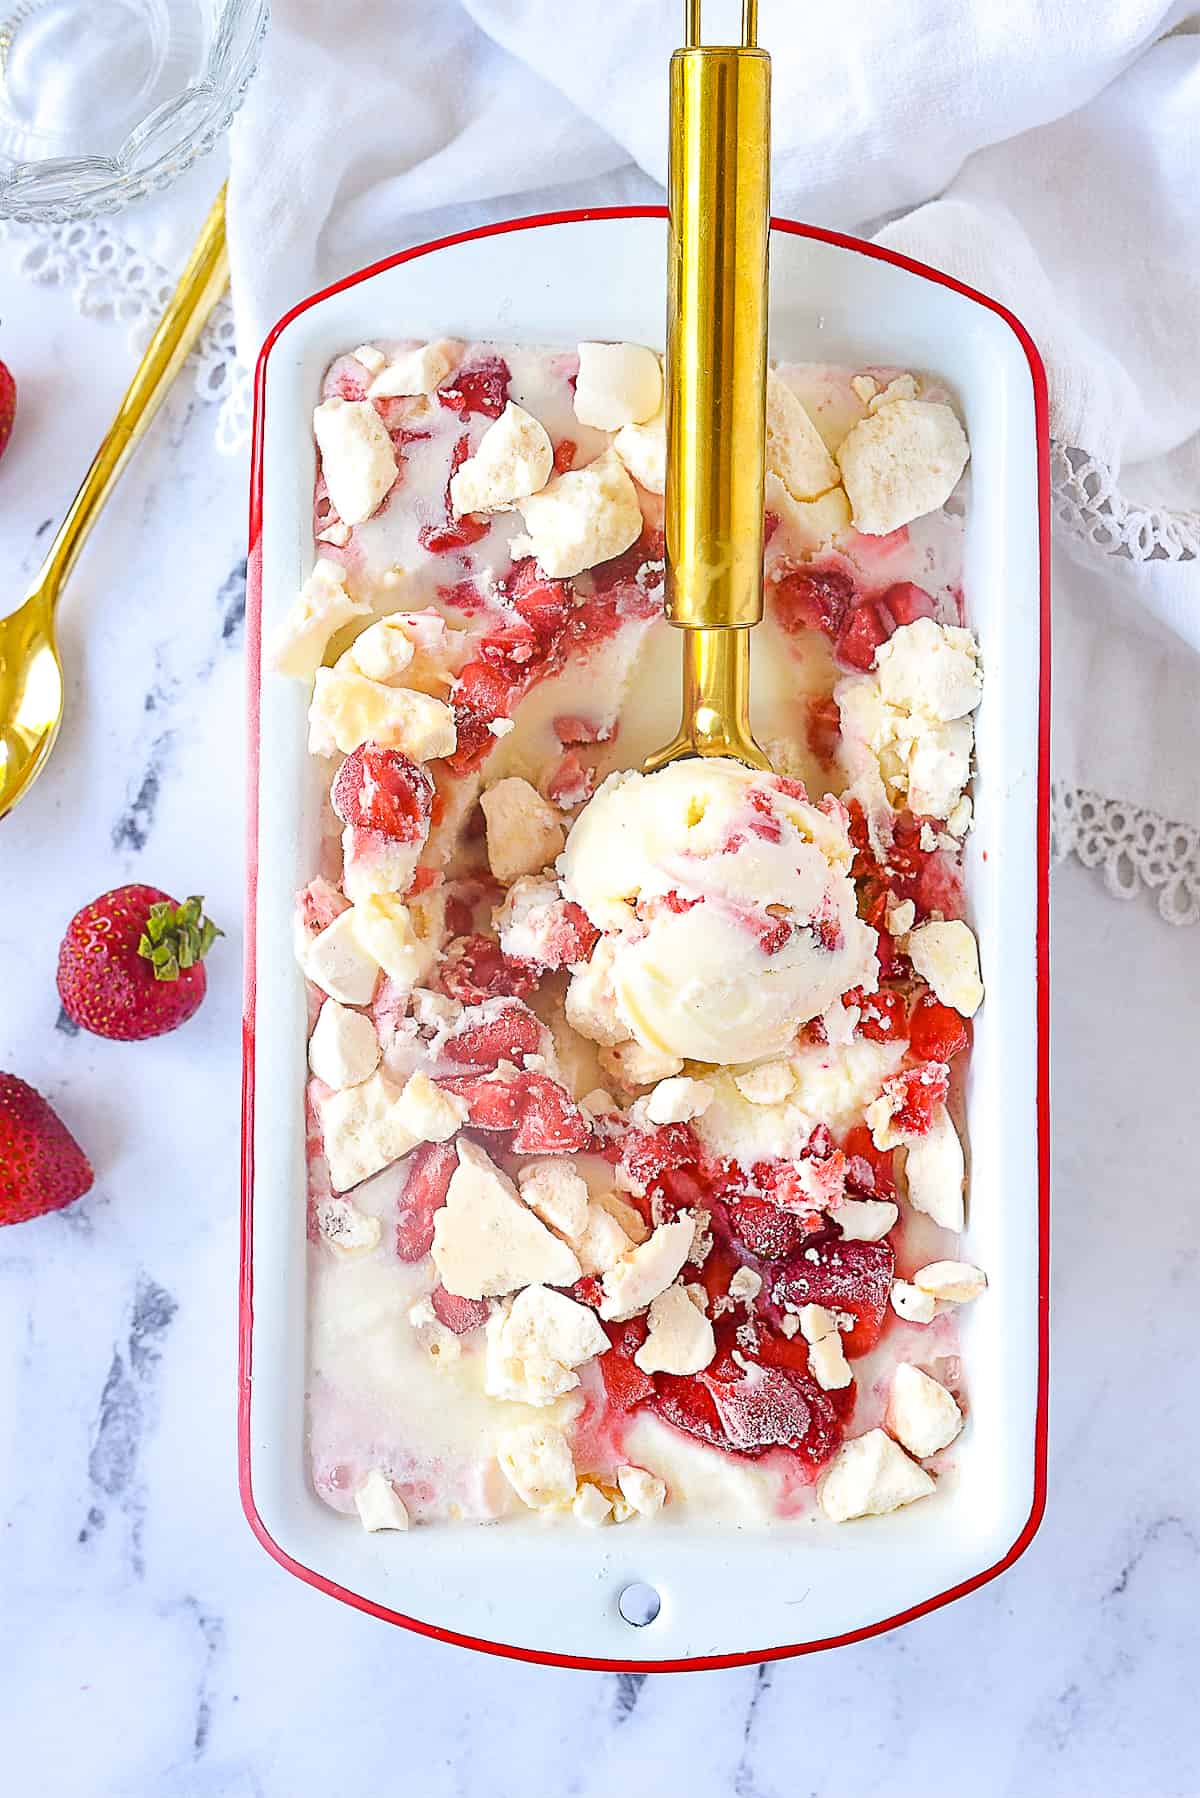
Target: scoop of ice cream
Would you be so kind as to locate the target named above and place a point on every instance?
(726, 904)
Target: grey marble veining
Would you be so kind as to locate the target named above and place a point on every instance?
(150, 1648)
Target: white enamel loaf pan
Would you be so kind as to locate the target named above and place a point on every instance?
(727, 1595)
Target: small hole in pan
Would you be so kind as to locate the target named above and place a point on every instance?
(639, 1604)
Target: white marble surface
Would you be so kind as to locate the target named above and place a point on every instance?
(150, 1647)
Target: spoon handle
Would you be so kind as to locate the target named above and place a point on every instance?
(199, 288)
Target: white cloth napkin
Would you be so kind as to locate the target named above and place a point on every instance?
(1044, 151)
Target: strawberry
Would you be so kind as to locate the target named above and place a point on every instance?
(8, 405)
(384, 790)
(429, 1175)
(843, 1276)
(861, 635)
(485, 1042)
(458, 1315)
(42, 1167)
(936, 1032)
(476, 968)
(479, 386)
(131, 963)
(812, 598)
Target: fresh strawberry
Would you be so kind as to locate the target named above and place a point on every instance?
(458, 1315)
(42, 1167)
(480, 386)
(429, 1176)
(131, 963)
(8, 405)
(935, 1031)
(382, 789)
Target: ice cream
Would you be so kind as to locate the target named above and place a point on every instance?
(728, 912)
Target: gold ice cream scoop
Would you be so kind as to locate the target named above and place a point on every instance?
(719, 194)
(31, 677)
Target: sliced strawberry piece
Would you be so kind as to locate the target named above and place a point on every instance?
(485, 1042)
(767, 1231)
(916, 1094)
(475, 741)
(824, 727)
(569, 782)
(681, 1400)
(868, 1169)
(907, 602)
(808, 598)
(570, 729)
(476, 968)
(935, 1031)
(883, 1015)
(564, 455)
(457, 532)
(588, 1291)
(550, 1123)
(543, 603)
(772, 1407)
(843, 1276)
(624, 1382)
(647, 1154)
(860, 636)
(429, 1176)
(456, 1314)
(382, 789)
(479, 386)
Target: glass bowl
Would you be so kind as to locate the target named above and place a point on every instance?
(102, 101)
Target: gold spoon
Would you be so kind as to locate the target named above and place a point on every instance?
(31, 678)
(719, 191)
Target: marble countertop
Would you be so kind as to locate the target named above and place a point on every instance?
(150, 1646)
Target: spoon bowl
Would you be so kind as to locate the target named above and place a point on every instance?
(31, 695)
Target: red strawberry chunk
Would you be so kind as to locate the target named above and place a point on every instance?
(764, 823)
(458, 1315)
(681, 1400)
(861, 635)
(457, 532)
(915, 1094)
(571, 729)
(513, 650)
(843, 1276)
(935, 1031)
(868, 1169)
(8, 405)
(476, 968)
(646, 1154)
(483, 1041)
(564, 455)
(429, 1176)
(484, 689)
(382, 789)
(569, 783)
(475, 741)
(882, 1015)
(550, 1123)
(824, 727)
(907, 602)
(766, 1230)
(491, 1104)
(773, 1407)
(479, 386)
(624, 1382)
(808, 598)
(543, 603)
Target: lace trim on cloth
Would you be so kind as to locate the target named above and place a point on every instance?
(1094, 514)
(1135, 850)
(108, 279)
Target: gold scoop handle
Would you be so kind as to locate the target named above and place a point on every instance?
(200, 287)
(719, 200)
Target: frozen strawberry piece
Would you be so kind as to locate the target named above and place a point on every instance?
(809, 598)
(484, 689)
(940, 888)
(456, 1314)
(636, 567)
(810, 1185)
(882, 1016)
(318, 904)
(569, 782)
(588, 1291)
(544, 604)
(544, 1119)
(624, 1382)
(868, 1169)
(456, 532)
(475, 741)
(550, 1122)
(682, 1400)
(345, 379)
(646, 1154)
(512, 649)
(823, 727)
(915, 1094)
(774, 934)
(770, 526)
(935, 1031)
(855, 1277)
(864, 630)
(570, 729)
(564, 455)
(556, 935)
(476, 968)
(484, 1041)
(772, 1407)
(479, 386)
(767, 1231)
(907, 602)
(429, 1176)
(384, 790)
(764, 823)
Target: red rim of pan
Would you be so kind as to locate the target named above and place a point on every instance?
(246, 1294)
